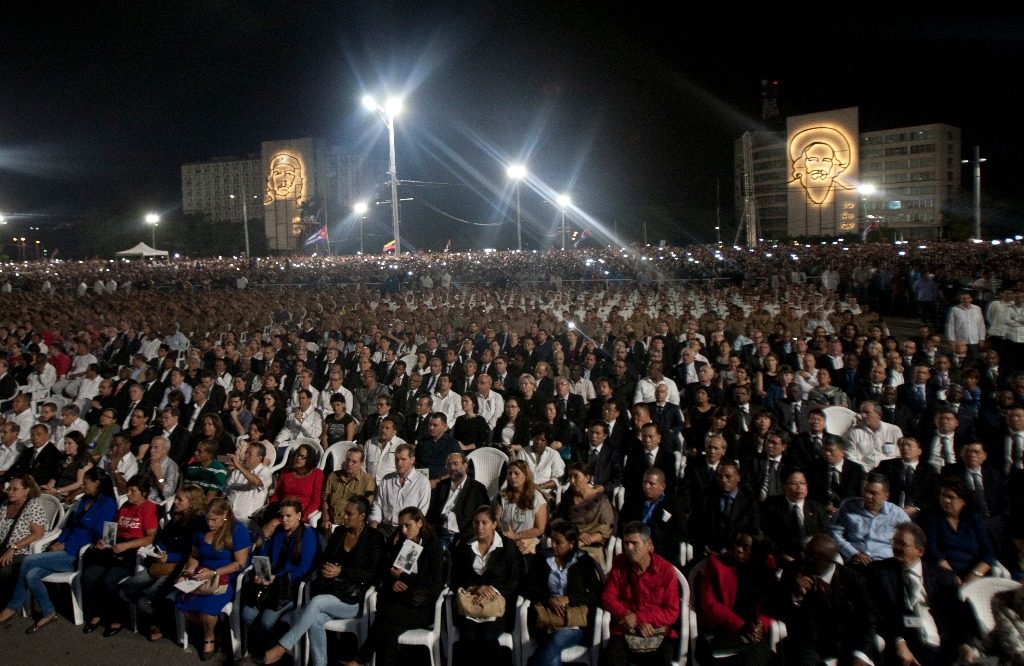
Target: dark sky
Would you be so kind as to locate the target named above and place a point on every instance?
(101, 103)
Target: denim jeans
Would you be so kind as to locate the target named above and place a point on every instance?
(34, 569)
(550, 646)
(313, 617)
(265, 621)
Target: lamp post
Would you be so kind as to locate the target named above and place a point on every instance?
(153, 220)
(564, 202)
(978, 159)
(360, 209)
(517, 172)
(392, 107)
(245, 216)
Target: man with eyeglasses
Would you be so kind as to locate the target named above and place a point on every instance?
(344, 484)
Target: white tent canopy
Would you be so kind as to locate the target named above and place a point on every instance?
(142, 250)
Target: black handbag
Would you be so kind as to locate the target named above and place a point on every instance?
(275, 596)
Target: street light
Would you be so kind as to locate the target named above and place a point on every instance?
(392, 107)
(153, 220)
(978, 159)
(517, 172)
(245, 216)
(563, 202)
(360, 209)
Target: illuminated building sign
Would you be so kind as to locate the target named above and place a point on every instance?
(822, 151)
(288, 187)
(285, 178)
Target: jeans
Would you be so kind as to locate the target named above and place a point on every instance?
(265, 621)
(143, 590)
(550, 646)
(320, 610)
(34, 569)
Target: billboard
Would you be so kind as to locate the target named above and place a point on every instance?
(823, 173)
(287, 167)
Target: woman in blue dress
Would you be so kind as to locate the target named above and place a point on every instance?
(222, 552)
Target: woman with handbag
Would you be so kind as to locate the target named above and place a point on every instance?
(22, 523)
(589, 510)
(76, 461)
(486, 572)
(218, 555)
(174, 544)
(405, 599)
(564, 587)
(291, 551)
(85, 526)
(107, 564)
(350, 563)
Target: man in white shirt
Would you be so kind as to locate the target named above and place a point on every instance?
(446, 400)
(250, 481)
(655, 377)
(380, 451)
(334, 385)
(69, 421)
(304, 421)
(492, 405)
(10, 446)
(163, 472)
(872, 440)
(400, 489)
(119, 462)
(22, 415)
(966, 322)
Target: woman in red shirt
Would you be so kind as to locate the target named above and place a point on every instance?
(106, 565)
(302, 481)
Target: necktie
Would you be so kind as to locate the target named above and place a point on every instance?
(979, 493)
(918, 605)
(947, 450)
(727, 505)
(817, 443)
(1018, 463)
(798, 520)
(128, 419)
(833, 480)
(650, 459)
(565, 408)
(908, 486)
(592, 459)
(419, 424)
(796, 417)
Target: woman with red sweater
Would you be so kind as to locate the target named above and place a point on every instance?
(303, 481)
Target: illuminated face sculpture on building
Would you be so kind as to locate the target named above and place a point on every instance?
(284, 181)
(819, 155)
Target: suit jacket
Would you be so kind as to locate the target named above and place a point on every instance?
(669, 418)
(899, 415)
(713, 529)
(667, 524)
(993, 481)
(698, 480)
(782, 529)
(607, 469)
(472, 496)
(575, 410)
(833, 622)
(45, 467)
(923, 489)
(850, 481)
(755, 472)
(952, 617)
(784, 415)
(636, 465)
(179, 451)
(411, 433)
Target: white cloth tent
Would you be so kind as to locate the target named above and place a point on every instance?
(142, 250)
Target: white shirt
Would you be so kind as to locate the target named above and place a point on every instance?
(549, 467)
(942, 454)
(25, 421)
(965, 324)
(245, 498)
(451, 405)
(9, 454)
(324, 400)
(128, 465)
(868, 448)
(491, 407)
(393, 496)
(311, 425)
(380, 461)
(646, 388)
(480, 561)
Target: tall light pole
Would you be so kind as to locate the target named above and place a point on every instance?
(517, 172)
(360, 209)
(245, 216)
(153, 220)
(392, 107)
(564, 202)
(978, 159)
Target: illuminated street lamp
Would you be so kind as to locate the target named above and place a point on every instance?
(392, 107)
(153, 220)
(360, 209)
(245, 216)
(978, 159)
(517, 172)
(563, 202)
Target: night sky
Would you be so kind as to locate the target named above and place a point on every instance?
(626, 108)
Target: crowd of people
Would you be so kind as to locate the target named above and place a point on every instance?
(745, 417)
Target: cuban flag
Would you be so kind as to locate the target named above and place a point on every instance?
(320, 235)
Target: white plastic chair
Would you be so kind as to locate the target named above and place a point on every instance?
(487, 465)
(298, 441)
(73, 579)
(611, 547)
(360, 626)
(619, 497)
(687, 625)
(979, 595)
(506, 640)
(410, 363)
(839, 419)
(428, 638)
(586, 653)
(54, 512)
(336, 452)
(232, 611)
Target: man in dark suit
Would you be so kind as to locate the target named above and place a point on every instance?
(602, 457)
(805, 449)
(416, 424)
(940, 440)
(826, 608)
(453, 501)
(790, 519)
(912, 481)
(663, 513)
(570, 406)
(649, 454)
(41, 460)
(916, 394)
(921, 616)
(372, 421)
(985, 482)
(833, 478)
(894, 412)
(726, 510)
(791, 413)
(763, 471)
(169, 427)
(701, 474)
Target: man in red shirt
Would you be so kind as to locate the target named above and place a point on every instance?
(642, 595)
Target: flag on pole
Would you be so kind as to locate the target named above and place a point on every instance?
(389, 247)
(868, 229)
(320, 235)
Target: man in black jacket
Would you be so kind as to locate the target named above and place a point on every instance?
(453, 501)
(662, 512)
(791, 518)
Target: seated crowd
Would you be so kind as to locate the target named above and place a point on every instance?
(826, 487)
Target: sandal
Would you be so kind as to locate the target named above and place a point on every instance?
(206, 655)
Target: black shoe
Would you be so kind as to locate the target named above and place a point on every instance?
(110, 631)
(89, 628)
(40, 624)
